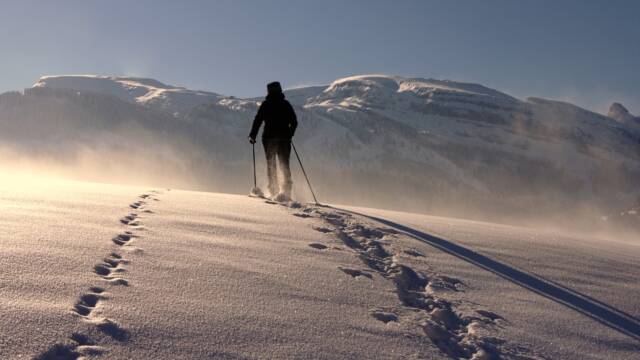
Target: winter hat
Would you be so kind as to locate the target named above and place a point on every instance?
(274, 88)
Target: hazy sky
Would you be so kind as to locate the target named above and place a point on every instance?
(586, 52)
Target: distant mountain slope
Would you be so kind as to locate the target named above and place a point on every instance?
(620, 113)
(376, 140)
(143, 91)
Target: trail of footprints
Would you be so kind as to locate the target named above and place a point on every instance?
(111, 270)
(422, 297)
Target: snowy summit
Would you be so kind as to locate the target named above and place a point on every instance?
(141, 90)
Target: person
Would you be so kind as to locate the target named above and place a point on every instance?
(280, 123)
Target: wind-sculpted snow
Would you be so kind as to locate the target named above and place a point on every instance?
(114, 272)
(451, 147)
(110, 271)
(422, 297)
(440, 304)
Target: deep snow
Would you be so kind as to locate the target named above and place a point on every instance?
(124, 272)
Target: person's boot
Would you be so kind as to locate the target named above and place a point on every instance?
(286, 189)
(285, 193)
(273, 190)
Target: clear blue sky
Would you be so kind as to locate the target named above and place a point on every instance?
(586, 52)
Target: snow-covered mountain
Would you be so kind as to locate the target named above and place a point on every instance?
(620, 113)
(143, 91)
(376, 140)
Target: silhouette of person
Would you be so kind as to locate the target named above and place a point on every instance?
(280, 124)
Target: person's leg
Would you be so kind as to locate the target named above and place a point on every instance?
(284, 153)
(271, 151)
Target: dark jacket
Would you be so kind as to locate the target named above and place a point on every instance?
(279, 119)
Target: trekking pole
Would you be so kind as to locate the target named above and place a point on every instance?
(256, 190)
(255, 182)
(305, 174)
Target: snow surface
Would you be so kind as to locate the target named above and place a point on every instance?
(176, 100)
(105, 271)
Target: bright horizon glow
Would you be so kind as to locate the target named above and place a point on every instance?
(583, 52)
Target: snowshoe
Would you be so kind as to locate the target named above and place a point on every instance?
(257, 192)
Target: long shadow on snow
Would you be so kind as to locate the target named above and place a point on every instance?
(577, 301)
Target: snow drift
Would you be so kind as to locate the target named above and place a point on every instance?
(101, 271)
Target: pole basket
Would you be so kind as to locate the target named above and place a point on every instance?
(256, 192)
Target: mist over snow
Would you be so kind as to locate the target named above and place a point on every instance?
(413, 144)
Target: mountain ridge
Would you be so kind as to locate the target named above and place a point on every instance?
(447, 144)
(67, 81)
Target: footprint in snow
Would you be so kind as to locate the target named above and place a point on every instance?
(86, 346)
(115, 262)
(446, 283)
(114, 330)
(118, 281)
(383, 316)
(355, 273)
(102, 269)
(110, 265)
(322, 229)
(129, 218)
(490, 315)
(87, 302)
(96, 289)
(123, 239)
(295, 205)
(413, 252)
(137, 204)
(59, 351)
(318, 246)
(81, 339)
